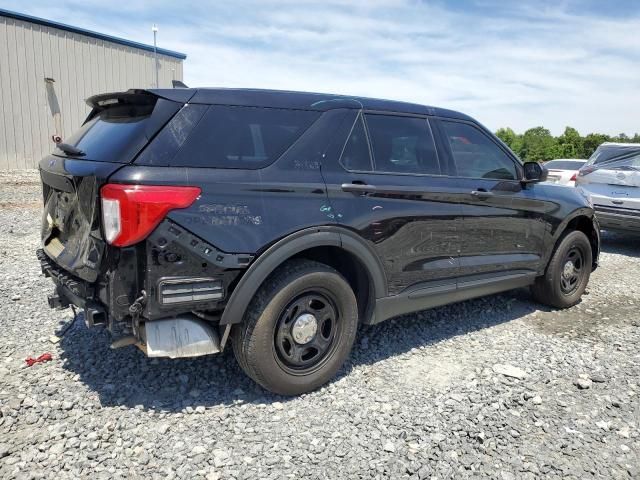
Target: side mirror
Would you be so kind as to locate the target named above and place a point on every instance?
(535, 172)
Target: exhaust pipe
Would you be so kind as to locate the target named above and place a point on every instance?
(182, 336)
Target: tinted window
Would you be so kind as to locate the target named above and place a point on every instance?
(476, 155)
(163, 148)
(402, 145)
(565, 164)
(355, 155)
(112, 133)
(243, 137)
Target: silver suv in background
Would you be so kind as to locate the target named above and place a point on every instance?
(611, 177)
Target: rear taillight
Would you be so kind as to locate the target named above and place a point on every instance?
(573, 177)
(131, 212)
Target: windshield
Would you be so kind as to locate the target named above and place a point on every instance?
(565, 164)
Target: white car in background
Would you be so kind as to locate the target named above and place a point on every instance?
(564, 171)
(611, 178)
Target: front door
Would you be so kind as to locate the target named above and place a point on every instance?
(504, 220)
(387, 185)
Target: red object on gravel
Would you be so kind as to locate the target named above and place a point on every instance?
(45, 357)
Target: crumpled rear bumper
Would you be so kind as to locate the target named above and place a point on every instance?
(71, 290)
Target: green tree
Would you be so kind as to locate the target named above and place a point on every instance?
(511, 139)
(593, 141)
(622, 138)
(508, 136)
(571, 144)
(538, 145)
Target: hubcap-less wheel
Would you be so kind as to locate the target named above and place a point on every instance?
(567, 273)
(298, 329)
(572, 270)
(306, 332)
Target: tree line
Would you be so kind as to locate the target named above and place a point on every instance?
(537, 144)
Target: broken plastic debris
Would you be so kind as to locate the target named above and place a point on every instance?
(45, 357)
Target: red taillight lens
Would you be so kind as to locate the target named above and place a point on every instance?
(131, 212)
(573, 177)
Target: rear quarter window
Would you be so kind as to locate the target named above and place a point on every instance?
(242, 137)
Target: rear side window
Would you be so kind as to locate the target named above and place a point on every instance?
(402, 145)
(476, 155)
(242, 137)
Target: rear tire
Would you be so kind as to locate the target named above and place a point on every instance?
(567, 273)
(298, 329)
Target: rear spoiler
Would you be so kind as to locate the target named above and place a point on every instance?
(137, 96)
(161, 104)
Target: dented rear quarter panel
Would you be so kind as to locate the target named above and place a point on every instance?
(241, 211)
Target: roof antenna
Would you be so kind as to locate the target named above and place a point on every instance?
(178, 84)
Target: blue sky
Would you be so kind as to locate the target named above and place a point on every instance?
(518, 64)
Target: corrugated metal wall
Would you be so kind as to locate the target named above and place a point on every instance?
(80, 65)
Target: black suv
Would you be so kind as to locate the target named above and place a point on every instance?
(278, 221)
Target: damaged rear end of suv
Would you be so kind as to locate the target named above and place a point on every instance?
(107, 241)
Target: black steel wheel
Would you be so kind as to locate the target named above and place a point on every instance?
(299, 328)
(306, 331)
(572, 270)
(567, 273)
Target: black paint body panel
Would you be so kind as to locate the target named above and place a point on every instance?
(424, 240)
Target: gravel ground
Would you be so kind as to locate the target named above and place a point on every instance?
(498, 387)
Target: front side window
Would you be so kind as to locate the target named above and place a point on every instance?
(402, 145)
(243, 137)
(475, 155)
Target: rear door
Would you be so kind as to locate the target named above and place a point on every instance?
(388, 186)
(505, 221)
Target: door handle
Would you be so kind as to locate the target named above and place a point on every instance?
(361, 188)
(481, 194)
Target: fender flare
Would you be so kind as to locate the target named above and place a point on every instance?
(295, 243)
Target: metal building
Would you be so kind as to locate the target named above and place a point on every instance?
(47, 69)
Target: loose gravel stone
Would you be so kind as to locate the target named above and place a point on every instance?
(4, 450)
(480, 389)
(509, 371)
(583, 383)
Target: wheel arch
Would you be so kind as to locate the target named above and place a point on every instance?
(309, 243)
(583, 220)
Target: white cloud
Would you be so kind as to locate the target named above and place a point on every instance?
(519, 65)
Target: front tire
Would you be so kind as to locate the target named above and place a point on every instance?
(298, 329)
(567, 274)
